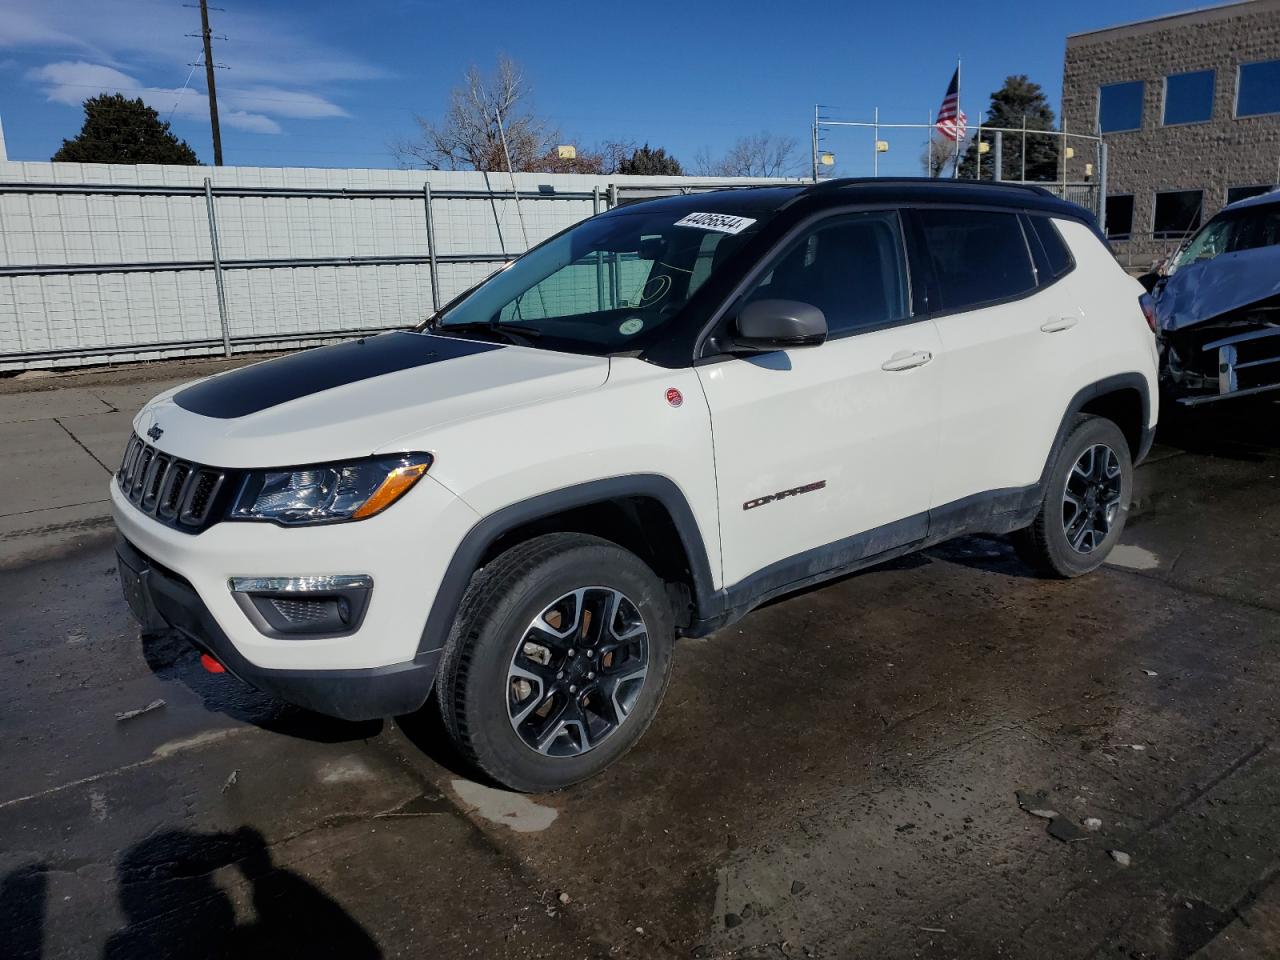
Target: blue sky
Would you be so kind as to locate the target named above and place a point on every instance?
(326, 83)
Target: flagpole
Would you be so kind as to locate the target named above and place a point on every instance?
(955, 166)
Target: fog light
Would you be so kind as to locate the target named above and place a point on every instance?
(303, 607)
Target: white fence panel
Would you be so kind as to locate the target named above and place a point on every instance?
(106, 263)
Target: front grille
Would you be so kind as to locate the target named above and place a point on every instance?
(176, 492)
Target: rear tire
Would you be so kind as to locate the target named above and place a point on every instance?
(557, 662)
(1085, 502)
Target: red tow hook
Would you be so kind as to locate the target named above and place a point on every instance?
(210, 664)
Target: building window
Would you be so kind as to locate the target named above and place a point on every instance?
(1177, 214)
(1188, 97)
(1244, 193)
(1258, 88)
(1120, 106)
(1119, 216)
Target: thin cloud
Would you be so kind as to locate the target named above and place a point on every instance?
(276, 71)
(72, 82)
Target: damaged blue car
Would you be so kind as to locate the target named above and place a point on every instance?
(1217, 307)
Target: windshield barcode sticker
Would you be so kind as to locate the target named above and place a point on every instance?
(720, 222)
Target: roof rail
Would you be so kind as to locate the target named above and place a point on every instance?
(841, 182)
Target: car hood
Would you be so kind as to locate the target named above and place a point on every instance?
(355, 398)
(1203, 291)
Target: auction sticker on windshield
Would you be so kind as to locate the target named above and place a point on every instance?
(720, 222)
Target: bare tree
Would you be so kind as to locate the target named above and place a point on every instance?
(758, 155)
(936, 155)
(704, 164)
(939, 154)
(468, 136)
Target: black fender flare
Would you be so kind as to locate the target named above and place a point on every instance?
(466, 558)
(1120, 381)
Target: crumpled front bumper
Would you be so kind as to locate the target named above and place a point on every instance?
(1248, 364)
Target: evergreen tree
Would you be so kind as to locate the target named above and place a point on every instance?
(645, 161)
(119, 130)
(1018, 98)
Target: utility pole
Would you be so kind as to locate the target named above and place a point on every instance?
(815, 143)
(207, 36)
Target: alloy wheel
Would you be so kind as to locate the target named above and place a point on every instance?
(1091, 498)
(577, 671)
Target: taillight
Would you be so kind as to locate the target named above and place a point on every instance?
(1148, 310)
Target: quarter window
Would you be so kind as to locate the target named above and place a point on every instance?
(1119, 216)
(851, 268)
(1177, 214)
(1258, 91)
(978, 256)
(1120, 106)
(1188, 97)
(1057, 258)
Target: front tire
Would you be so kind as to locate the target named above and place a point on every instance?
(557, 662)
(1085, 502)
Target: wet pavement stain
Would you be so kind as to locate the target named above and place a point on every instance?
(835, 776)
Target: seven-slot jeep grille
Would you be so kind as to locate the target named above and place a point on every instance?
(176, 492)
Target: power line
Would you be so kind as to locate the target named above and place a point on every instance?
(178, 100)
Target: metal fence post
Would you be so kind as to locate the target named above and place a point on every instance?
(998, 155)
(217, 268)
(613, 195)
(1102, 184)
(595, 210)
(431, 248)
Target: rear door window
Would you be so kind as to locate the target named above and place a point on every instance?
(978, 256)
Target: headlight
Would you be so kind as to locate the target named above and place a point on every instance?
(330, 492)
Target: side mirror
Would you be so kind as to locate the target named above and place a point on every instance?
(766, 325)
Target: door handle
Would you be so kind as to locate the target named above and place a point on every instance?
(906, 360)
(1058, 324)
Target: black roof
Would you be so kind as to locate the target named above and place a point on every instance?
(868, 190)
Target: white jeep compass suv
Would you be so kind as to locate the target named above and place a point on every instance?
(643, 428)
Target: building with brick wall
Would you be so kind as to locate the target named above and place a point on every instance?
(1189, 107)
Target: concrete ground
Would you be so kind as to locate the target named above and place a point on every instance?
(836, 776)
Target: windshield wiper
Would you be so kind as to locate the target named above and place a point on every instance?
(511, 330)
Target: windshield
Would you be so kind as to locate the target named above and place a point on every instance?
(608, 285)
(1246, 229)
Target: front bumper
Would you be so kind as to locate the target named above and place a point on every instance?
(382, 666)
(162, 599)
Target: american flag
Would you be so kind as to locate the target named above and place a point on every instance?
(951, 119)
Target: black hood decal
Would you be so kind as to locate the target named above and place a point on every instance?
(251, 389)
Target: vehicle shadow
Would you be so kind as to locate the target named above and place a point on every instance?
(988, 553)
(23, 895)
(172, 658)
(425, 730)
(175, 908)
(1235, 429)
